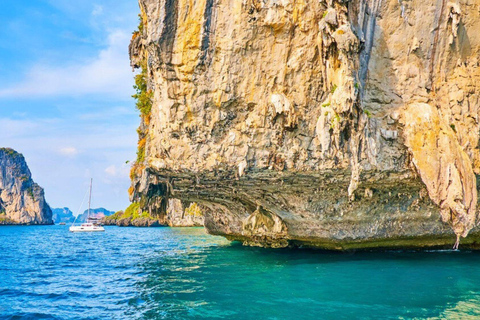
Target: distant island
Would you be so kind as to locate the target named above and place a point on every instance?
(65, 215)
(22, 201)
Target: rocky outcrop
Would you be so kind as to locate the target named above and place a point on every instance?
(22, 201)
(131, 217)
(335, 124)
(265, 228)
(183, 214)
(177, 215)
(443, 166)
(129, 222)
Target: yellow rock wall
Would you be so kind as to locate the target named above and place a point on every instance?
(296, 87)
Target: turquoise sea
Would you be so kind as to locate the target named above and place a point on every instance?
(183, 273)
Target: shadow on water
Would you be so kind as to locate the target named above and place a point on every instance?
(236, 282)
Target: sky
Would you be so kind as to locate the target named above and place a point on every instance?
(65, 96)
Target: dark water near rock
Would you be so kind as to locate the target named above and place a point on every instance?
(163, 273)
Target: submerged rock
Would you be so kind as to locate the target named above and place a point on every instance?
(22, 201)
(333, 124)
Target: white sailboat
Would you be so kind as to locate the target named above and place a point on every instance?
(91, 224)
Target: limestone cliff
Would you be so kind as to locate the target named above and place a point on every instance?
(22, 201)
(330, 123)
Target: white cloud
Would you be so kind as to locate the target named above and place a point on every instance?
(18, 128)
(108, 73)
(68, 151)
(82, 103)
(97, 10)
(118, 172)
(111, 170)
(109, 113)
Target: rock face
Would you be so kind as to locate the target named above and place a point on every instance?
(334, 124)
(21, 200)
(128, 222)
(443, 165)
(183, 214)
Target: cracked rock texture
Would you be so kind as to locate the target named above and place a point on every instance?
(22, 201)
(183, 214)
(333, 124)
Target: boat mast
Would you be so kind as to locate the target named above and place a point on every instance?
(90, 198)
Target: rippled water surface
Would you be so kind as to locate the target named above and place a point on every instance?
(182, 273)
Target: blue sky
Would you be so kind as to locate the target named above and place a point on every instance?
(65, 96)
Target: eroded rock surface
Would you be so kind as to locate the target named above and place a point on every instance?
(184, 214)
(22, 201)
(265, 228)
(298, 122)
(443, 166)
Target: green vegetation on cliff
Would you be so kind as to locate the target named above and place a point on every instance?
(11, 153)
(193, 210)
(143, 97)
(5, 220)
(114, 216)
(133, 212)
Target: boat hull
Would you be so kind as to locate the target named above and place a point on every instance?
(86, 229)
